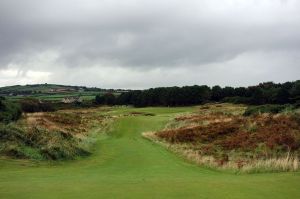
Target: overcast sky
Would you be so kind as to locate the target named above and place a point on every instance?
(147, 43)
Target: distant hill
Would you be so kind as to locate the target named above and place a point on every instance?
(43, 89)
(54, 92)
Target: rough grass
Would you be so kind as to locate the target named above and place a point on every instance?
(51, 136)
(287, 163)
(39, 144)
(229, 140)
(74, 121)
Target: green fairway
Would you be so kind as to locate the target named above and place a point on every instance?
(125, 165)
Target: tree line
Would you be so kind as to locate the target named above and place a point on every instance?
(264, 93)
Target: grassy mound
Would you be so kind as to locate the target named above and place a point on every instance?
(57, 135)
(220, 139)
(39, 144)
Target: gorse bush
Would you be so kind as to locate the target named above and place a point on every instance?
(38, 143)
(54, 135)
(13, 142)
(56, 145)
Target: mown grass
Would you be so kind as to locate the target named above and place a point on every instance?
(127, 166)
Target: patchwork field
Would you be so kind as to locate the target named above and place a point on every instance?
(125, 165)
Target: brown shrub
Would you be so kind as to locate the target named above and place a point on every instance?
(70, 121)
(200, 133)
(238, 133)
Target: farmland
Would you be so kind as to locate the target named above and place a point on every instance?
(58, 97)
(51, 92)
(125, 165)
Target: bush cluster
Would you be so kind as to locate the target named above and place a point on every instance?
(9, 111)
(268, 108)
(38, 143)
(278, 134)
(30, 105)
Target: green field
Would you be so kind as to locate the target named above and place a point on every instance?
(59, 97)
(125, 165)
(52, 92)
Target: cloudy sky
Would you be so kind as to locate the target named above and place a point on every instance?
(146, 43)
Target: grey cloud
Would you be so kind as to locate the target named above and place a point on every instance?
(144, 35)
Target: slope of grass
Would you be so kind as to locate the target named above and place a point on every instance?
(125, 165)
(58, 135)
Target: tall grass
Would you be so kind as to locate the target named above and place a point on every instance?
(283, 163)
(288, 163)
(221, 137)
(39, 143)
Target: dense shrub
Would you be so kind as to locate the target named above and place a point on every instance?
(236, 100)
(203, 134)
(38, 143)
(269, 108)
(9, 111)
(279, 134)
(61, 106)
(55, 145)
(31, 105)
(108, 99)
(10, 133)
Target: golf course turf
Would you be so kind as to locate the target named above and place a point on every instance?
(125, 165)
